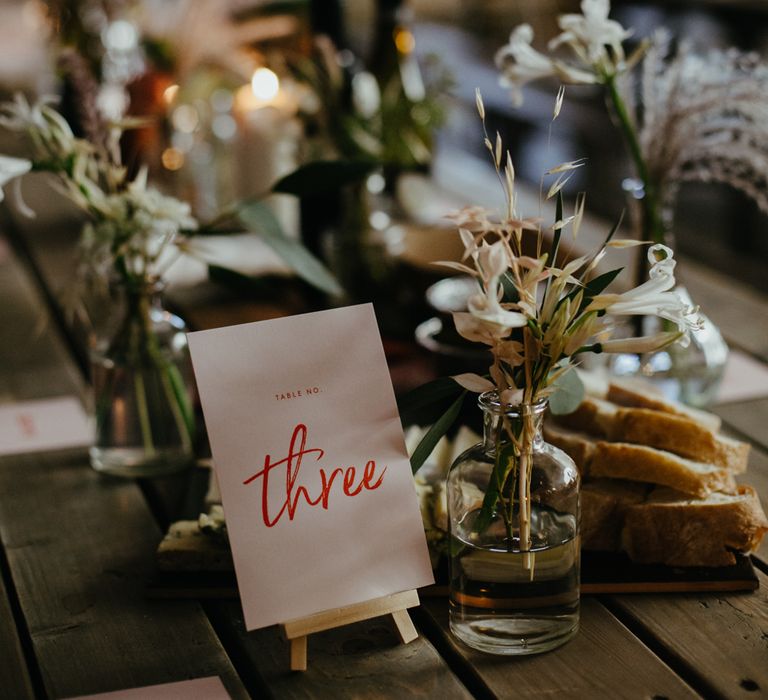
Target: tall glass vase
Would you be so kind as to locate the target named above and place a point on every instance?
(513, 516)
(142, 384)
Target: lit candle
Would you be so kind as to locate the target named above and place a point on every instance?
(269, 134)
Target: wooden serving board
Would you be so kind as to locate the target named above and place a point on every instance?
(601, 572)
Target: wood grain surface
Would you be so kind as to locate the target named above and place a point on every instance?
(362, 660)
(80, 546)
(15, 681)
(604, 660)
(719, 641)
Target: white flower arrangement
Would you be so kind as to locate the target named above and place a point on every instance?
(133, 231)
(701, 117)
(537, 314)
(558, 312)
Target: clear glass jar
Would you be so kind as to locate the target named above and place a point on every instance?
(514, 581)
(691, 374)
(143, 387)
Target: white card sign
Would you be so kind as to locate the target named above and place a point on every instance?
(209, 688)
(309, 453)
(45, 424)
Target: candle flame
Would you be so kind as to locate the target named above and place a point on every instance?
(265, 84)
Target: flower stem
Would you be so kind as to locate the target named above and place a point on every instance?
(524, 485)
(653, 225)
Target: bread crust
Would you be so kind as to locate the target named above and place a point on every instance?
(678, 435)
(680, 532)
(604, 503)
(635, 393)
(578, 446)
(620, 460)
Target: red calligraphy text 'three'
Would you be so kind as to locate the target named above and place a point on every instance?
(296, 452)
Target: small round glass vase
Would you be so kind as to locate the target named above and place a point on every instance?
(142, 383)
(505, 597)
(691, 374)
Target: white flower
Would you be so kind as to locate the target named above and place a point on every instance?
(589, 33)
(476, 330)
(653, 297)
(492, 262)
(11, 168)
(646, 343)
(486, 307)
(520, 63)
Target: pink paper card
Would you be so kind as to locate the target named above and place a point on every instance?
(309, 453)
(210, 688)
(46, 424)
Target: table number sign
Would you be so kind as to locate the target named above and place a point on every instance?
(310, 457)
(44, 424)
(209, 688)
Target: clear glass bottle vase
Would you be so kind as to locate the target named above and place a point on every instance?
(143, 386)
(514, 581)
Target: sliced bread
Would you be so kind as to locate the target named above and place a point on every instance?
(670, 529)
(620, 460)
(578, 446)
(636, 393)
(679, 435)
(604, 503)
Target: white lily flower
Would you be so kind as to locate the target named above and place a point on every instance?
(590, 32)
(11, 168)
(653, 297)
(493, 259)
(520, 63)
(643, 344)
(487, 308)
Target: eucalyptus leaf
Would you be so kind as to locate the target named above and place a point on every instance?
(433, 435)
(323, 177)
(568, 393)
(259, 219)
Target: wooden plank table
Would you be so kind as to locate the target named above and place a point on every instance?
(77, 549)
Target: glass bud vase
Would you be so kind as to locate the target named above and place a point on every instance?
(691, 373)
(142, 382)
(514, 571)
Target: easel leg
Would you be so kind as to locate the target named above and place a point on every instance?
(299, 654)
(405, 629)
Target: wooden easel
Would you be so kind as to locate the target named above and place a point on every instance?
(296, 631)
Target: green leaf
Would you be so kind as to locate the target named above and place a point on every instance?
(419, 406)
(568, 394)
(613, 230)
(182, 399)
(259, 219)
(323, 177)
(433, 435)
(505, 464)
(598, 284)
